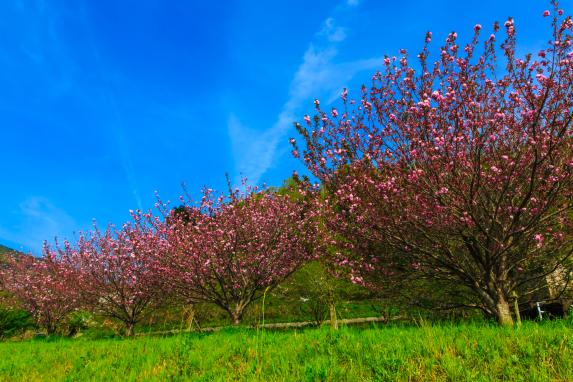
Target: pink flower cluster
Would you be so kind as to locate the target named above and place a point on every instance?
(466, 167)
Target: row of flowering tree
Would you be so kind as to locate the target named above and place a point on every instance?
(226, 250)
(113, 272)
(458, 169)
(43, 287)
(229, 249)
(107, 273)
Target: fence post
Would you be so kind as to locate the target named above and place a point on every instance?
(516, 308)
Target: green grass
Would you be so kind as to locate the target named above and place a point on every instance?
(464, 352)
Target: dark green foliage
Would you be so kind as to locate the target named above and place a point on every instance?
(182, 212)
(5, 250)
(14, 321)
(312, 288)
(78, 322)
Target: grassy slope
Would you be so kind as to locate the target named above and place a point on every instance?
(459, 353)
(5, 251)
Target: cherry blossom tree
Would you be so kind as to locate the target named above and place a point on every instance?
(43, 287)
(114, 270)
(459, 169)
(228, 249)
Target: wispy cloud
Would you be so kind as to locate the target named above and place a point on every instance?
(126, 161)
(118, 135)
(256, 151)
(35, 50)
(37, 219)
(39, 55)
(113, 111)
(333, 32)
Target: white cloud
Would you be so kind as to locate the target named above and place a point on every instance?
(333, 32)
(37, 219)
(353, 3)
(255, 152)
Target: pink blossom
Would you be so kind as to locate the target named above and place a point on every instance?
(238, 245)
(448, 160)
(539, 239)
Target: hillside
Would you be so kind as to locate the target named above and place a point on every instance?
(5, 251)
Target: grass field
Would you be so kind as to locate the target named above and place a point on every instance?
(461, 352)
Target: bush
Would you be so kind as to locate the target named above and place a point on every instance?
(13, 321)
(77, 322)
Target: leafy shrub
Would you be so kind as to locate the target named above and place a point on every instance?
(77, 322)
(13, 321)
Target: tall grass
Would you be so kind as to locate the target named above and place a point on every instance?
(456, 352)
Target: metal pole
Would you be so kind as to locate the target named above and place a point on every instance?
(539, 311)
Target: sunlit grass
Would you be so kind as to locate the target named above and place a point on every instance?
(457, 352)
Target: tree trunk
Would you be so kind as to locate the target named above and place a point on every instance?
(495, 295)
(46, 322)
(237, 314)
(503, 312)
(50, 329)
(129, 329)
(333, 318)
(332, 308)
(190, 316)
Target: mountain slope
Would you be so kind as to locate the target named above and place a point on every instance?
(5, 251)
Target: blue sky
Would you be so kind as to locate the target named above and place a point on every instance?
(104, 102)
